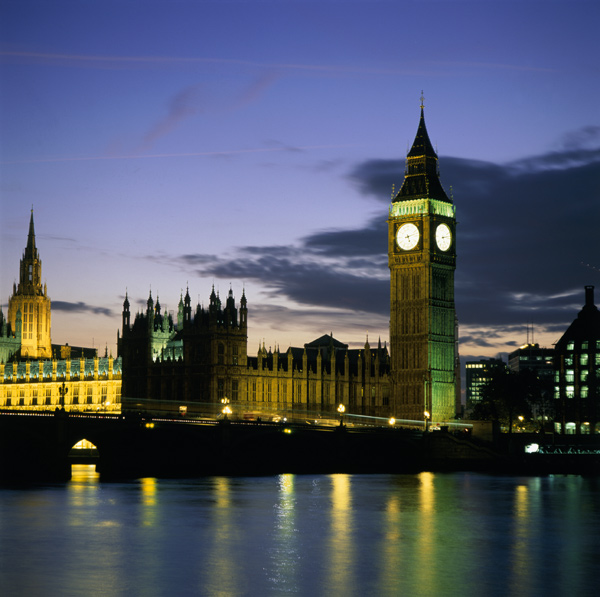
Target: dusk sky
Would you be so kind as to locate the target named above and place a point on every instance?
(254, 145)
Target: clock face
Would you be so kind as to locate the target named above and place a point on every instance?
(443, 237)
(407, 236)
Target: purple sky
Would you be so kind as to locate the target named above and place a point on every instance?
(255, 144)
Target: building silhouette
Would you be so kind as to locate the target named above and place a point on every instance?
(577, 372)
(36, 374)
(196, 362)
(422, 260)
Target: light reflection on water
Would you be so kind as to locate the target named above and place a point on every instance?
(425, 534)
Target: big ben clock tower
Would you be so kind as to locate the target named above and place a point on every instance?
(422, 260)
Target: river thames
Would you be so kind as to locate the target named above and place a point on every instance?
(422, 534)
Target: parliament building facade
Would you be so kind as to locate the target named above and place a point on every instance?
(196, 361)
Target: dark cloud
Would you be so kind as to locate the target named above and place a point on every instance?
(585, 137)
(306, 281)
(368, 241)
(80, 307)
(525, 232)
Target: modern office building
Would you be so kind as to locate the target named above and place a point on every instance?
(534, 358)
(577, 372)
(478, 374)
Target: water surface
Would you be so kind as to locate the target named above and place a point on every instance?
(423, 534)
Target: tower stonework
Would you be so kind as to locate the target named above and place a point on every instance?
(30, 305)
(422, 260)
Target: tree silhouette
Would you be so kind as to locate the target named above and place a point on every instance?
(506, 395)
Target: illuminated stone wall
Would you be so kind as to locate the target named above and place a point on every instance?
(91, 385)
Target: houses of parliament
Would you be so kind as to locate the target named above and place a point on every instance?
(196, 361)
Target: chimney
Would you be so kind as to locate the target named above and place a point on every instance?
(589, 296)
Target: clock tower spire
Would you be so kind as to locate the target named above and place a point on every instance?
(422, 260)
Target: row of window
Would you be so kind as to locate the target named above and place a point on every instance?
(72, 396)
(584, 359)
(585, 345)
(570, 375)
(570, 392)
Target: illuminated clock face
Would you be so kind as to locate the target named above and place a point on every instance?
(407, 236)
(443, 237)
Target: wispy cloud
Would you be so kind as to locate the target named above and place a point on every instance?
(143, 156)
(120, 62)
(183, 105)
(81, 307)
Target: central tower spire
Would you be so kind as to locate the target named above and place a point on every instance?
(31, 301)
(422, 177)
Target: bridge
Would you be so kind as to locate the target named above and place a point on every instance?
(36, 446)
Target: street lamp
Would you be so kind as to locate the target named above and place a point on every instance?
(62, 390)
(341, 409)
(226, 410)
(392, 421)
(427, 415)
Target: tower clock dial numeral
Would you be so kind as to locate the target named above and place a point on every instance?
(443, 237)
(407, 236)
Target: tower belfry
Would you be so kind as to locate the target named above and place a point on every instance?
(30, 300)
(422, 260)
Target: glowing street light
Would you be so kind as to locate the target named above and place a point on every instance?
(427, 415)
(392, 421)
(226, 410)
(341, 409)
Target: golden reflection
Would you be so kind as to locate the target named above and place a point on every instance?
(84, 476)
(149, 513)
(223, 576)
(222, 492)
(83, 488)
(426, 540)
(341, 547)
(86, 508)
(521, 535)
(148, 485)
(391, 545)
(286, 556)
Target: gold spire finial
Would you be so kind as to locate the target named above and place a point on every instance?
(422, 100)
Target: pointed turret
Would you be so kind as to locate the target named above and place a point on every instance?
(422, 179)
(126, 314)
(243, 310)
(31, 251)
